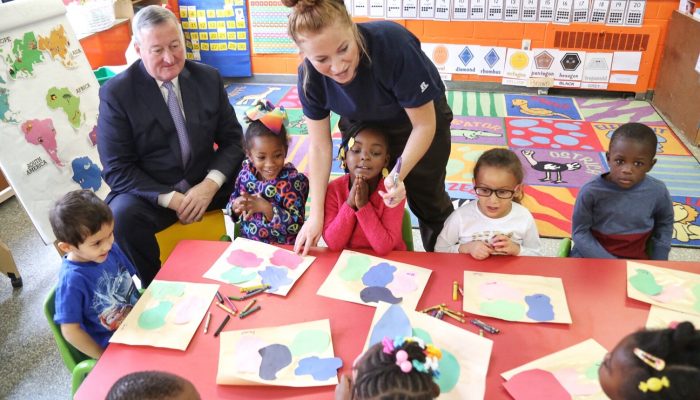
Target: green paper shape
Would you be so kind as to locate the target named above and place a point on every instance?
(161, 289)
(423, 335)
(309, 341)
(357, 266)
(503, 309)
(449, 372)
(592, 371)
(645, 282)
(154, 318)
(237, 275)
(696, 293)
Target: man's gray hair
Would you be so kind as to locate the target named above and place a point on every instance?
(151, 16)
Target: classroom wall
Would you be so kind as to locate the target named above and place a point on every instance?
(589, 37)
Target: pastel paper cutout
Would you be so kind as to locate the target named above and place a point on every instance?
(645, 282)
(536, 384)
(393, 323)
(576, 384)
(161, 289)
(187, 309)
(592, 371)
(503, 309)
(310, 341)
(404, 282)
(696, 293)
(244, 259)
(375, 294)
(449, 372)
(540, 307)
(379, 275)
(500, 291)
(670, 293)
(284, 258)
(247, 357)
(275, 277)
(358, 265)
(238, 275)
(320, 369)
(422, 334)
(274, 358)
(154, 318)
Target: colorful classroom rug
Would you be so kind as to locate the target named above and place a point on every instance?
(569, 133)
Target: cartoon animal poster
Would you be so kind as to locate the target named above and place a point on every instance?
(677, 290)
(248, 263)
(686, 224)
(365, 279)
(520, 298)
(167, 315)
(662, 318)
(465, 356)
(568, 374)
(299, 355)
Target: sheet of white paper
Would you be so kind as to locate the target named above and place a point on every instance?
(529, 11)
(410, 9)
(511, 11)
(616, 14)
(460, 10)
(442, 10)
(426, 9)
(376, 8)
(393, 9)
(626, 61)
(635, 13)
(563, 12)
(581, 8)
(518, 64)
(477, 9)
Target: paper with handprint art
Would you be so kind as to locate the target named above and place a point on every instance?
(365, 279)
(520, 298)
(167, 315)
(570, 374)
(465, 355)
(299, 355)
(663, 287)
(249, 263)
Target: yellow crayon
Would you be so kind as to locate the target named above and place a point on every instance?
(251, 288)
(455, 290)
(453, 316)
(228, 310)
(425, 310)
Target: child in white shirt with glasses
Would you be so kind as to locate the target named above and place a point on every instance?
(495, 224)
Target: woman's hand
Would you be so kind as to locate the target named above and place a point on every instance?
(395, 190)
(308, 235)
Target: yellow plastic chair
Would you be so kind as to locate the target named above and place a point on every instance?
(78, 364)
(211, 227)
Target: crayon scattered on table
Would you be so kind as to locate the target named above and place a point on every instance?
(455, 291)
(206, 324)
(252, 293)
(247, 313)
(247, 307)
(221, 327)
(483, 325)
(256, 287)
(230, 304)
(461, 292)
(219, 297)
(228, 310)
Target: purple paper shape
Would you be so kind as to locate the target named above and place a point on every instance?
(244, 259)
(284, 258)
(379, 275)
(393, 323)
(320, 369)
(275, 277)
(274, 358)
(536, 384)
(375, 294)
(540, 307)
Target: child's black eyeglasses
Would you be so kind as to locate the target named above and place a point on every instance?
(500, 193)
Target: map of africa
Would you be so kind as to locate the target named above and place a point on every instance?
(64, 99)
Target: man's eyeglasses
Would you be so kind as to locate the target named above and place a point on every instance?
(500, 193)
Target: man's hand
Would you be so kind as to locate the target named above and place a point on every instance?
(196, 201)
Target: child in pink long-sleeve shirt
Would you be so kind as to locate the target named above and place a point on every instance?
(356, 216)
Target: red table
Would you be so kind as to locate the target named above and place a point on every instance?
(595, 292)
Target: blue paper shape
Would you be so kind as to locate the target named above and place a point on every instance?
(320, 369)
(375, 294)
(86, 173)
(540, 307)
(274, 358)
(393, 323)
(379, 275)
(275, 277)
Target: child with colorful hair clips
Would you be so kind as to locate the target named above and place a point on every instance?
(269, 196)
(355, 214)
(403, 368)
(654, 364)
(495, 223)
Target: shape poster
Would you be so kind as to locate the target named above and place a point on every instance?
(668, 288)
(597, 67)
(365, 279)
(48, 109)
(520, 298)
(518, 67)
(299, 355)
(568, 374)
(465, 356)
(249, 263)
(167, 315)
(452, 58)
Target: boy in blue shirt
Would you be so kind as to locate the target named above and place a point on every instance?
(617, 213)
(95, 290)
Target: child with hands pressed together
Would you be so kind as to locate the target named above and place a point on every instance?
(661, 364)
(495, 224)
(398, 369)
(95, 291)
(269, 196)
(356, 215)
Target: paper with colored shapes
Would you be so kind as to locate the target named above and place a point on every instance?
(465, 355)
(663, 287)
(250, 263)
(167, 315)
(574, 369)
(520, 298)
(299, 355)
(365, 279)
(662, 318)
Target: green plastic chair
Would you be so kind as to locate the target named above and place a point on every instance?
(407, 230)
(78, 364)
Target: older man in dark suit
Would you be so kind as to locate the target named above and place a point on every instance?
(157, 129)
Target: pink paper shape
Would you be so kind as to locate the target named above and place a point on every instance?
(536, 384)
(285, 258)
(185, 310)
(576, 383)
(245, 259)
(246, 359)
(404, 282)
(500, 291)
(670, 293)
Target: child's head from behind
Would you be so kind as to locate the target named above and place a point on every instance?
(83, 225)
(152, 385)
(654, 364)
(365, 152)
(266, 142)
(631, 154)
(397, 369)
(498, 178)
